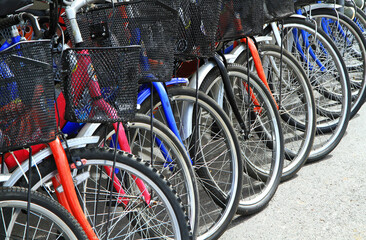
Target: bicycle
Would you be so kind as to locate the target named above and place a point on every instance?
(11, 139)
(190, 205)
(142, 30)
(285, 80)
(255, 172)
(72, 187)
(295, 97)
(349, 41)
(209, 167)
(318, 60)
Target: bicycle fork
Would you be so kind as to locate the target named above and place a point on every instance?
(230, 95)
(69, 198)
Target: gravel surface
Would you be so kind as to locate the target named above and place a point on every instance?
(326, 200)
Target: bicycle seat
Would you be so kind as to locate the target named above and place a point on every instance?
(10, 6)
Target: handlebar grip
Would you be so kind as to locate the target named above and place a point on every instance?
(9, 21)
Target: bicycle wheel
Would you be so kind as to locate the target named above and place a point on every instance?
(328, 76)
(169, 158)
(132, 215)
(263, 151)
(351, 44)
(217, 163)
(47, 220)
(297, 106)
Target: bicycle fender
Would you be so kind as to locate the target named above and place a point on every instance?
(202, 73)
(40, 156)
(322, 6)
(186, 129)
(88, 130)
(145, 93)
(176, 81)
(297, 16)
(231, 57)
(263, 38)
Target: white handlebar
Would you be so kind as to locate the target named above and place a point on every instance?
(71, 10)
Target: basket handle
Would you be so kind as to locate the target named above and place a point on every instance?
(32, 61)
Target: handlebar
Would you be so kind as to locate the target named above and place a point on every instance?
(17, 18)
(71, 10)
(70, 2)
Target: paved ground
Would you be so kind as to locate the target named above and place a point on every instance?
(326, 200)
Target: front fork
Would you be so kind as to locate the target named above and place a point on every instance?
(69, 197)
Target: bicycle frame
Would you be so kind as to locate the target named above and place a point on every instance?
(359, 25)
(87, 129)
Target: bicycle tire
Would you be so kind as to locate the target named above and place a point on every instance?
(262, 155)
(330, 127)
(297, 110)
(48, 219)
(127, 164)
(352, 47)
(219, 188)
(178, 171)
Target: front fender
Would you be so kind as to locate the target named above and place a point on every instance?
(41, 155)
(202, 73)
(145, 92)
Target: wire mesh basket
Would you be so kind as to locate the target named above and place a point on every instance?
(276, 10)
(100, 84)
(27, 111)
(148, 23)
(197, 28)
(240, 18)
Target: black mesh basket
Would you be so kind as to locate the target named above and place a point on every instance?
(240, 18)
(276, 10)
(100, 84)
(150, 24)
(302, 3)
(27, 112)
(198, 22)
